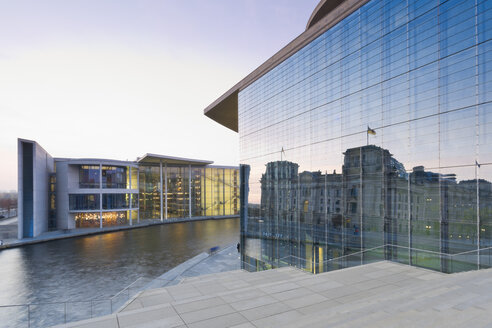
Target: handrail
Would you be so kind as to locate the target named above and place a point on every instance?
(127, 287)
(65, 303)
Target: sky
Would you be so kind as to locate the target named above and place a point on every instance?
(117, 79)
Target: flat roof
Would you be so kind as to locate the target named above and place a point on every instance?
(94, 161)
(224, 110)
(155, 159)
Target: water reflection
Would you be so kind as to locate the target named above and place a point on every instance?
(100, 266)
(313, 217)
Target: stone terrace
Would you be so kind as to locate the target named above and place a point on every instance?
(374, 295)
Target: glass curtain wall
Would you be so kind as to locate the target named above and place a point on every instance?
(115, 177)
(212, 192)
(196, 191)
(379, 143)
(178, 194)
(89, 176)
(150, 192)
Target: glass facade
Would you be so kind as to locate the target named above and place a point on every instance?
(188, 191)
(89, 176)
(115, 201)
(372, 142)
(115, 177)
(79, 202)
(109, 219)
(150, 192)
(220, 189)
(178, 196)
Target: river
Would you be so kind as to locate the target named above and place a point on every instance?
(99, 266)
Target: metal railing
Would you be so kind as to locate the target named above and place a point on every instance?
(44, 314)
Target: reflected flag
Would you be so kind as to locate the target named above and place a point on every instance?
(477, 164)
(371, 131)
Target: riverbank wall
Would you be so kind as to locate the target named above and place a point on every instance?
(73, 233)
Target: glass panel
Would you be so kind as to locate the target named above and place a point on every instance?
(150, 192)
(83, 202)
(109, 219)
(114, 177)
(88, 176)
(115, 201)
(134, 181)
(363, 145)
(177, 192)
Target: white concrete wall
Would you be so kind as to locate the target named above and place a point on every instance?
(73, 178)
(62, 217)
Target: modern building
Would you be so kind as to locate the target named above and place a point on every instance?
(369, 137)
(67, 193)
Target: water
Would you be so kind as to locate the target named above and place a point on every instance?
(99, 266)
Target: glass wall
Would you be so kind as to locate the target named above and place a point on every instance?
(115, 177)
(150, 192)
(196, 192)
(372, 142)
(109, 219)
(178, 195)
(83, 202)
(207, 191)
(89, 176)
(115, 201)
(134, 179)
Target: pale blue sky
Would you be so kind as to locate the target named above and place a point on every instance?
(117, 79)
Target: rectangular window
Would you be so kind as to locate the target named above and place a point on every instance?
(88, 176)
(114, 177)
(83, 202)
(115, 201)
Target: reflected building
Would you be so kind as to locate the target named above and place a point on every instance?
(368, 137)
(67, 193)
(309, 218)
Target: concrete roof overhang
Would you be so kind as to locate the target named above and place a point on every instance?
(326, 14)
(323, 8)
(156, 159)
(94, 161)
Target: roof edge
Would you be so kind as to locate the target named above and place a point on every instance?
(176, 159)
(224, 110)
(323, 8)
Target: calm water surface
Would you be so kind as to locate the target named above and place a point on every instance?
(100, 266)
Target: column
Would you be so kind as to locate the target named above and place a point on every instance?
(165, 189)
(100, 197)
(223, 192)
(189, 191)
(160, 171)
(131, 194)
(203, 192)
(138, 186)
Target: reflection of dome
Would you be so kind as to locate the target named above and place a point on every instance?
(323, 8)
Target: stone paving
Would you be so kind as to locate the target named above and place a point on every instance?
(226, 259)
(381, 294)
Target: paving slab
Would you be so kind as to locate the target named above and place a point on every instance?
(383, 294)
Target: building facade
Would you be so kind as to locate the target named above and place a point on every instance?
(368, 137)
(66, 193)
